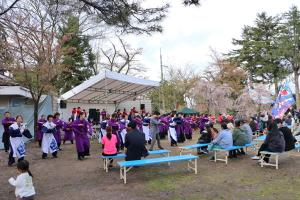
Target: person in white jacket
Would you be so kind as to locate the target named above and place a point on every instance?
(23, 183)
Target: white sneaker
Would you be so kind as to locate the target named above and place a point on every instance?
(255, 158)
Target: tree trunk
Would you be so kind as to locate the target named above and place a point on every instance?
(35, 118)
(296, 77)
(276, 87)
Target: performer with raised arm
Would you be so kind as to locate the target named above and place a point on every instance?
(49, 143)
(81, 130)
(17, 145)
(6, 122)
(146, 128)
(41, 121)
(69, 136)
(59, 126)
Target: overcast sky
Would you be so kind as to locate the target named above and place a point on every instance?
(190, 32)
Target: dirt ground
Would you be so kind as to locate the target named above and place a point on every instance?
(68, 178)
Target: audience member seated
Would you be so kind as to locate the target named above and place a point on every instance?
(288, 136)
(109, 144)
(274, 141)
(223, 140)
(239, 137)
(135, 143)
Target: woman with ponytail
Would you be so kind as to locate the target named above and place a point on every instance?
(109, 144)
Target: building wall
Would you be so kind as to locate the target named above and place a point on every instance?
(17, 105)
(137, 103)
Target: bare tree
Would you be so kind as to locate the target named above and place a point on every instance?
(123, 59)
(31, 32)
(125, 15)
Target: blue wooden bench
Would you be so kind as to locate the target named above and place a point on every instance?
(123, 155)
(260, 138)
(227, 151)
(125, 166)
(188, 148)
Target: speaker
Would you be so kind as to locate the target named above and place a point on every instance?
(142, 106)
(92, 113)
(62, 104)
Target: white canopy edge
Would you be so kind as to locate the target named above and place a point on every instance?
(14, 91)
(93, 81)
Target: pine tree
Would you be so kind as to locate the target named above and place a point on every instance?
(258, 52)
(78, 58)
(290, 45)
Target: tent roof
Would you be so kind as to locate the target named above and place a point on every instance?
(108, 88)
(188, 111)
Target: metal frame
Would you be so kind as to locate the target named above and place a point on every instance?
(263, 155)
(124, 170)
(220, 159)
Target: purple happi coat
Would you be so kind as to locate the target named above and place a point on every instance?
(41, 122)
(6, 122)
(59, 125)
(179, 129)
(139, 124)
(164, 127)
(68, 131)
(115, 129)
(187, 128)
(103, 115)
(80, 129)
(203, 121)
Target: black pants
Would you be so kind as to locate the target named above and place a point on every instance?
(11, 159)
(5, 140)
(110, 160)
(264, 147)
(54, 154)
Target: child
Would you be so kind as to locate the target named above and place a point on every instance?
(23, 182)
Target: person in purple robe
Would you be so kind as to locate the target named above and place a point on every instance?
(68, 131)
(163, 127)
(139, 122)
(203, 120)
(6, 122)
(187, 127)
(179, 128)
(103, 114)
(122, 130)
(80, 128)
(59, 126)
(115, 127)
(40, 134)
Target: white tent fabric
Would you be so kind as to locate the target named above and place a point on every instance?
(108, 88)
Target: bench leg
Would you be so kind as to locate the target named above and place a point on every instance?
(226, 157)
(124, 175)
(196, 166)
(168, 154)
(105, 164)
(277, 161)
(215, 152)
(262, 156)
(121, 173)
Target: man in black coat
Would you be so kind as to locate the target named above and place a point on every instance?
(288, 136)
(135, 143)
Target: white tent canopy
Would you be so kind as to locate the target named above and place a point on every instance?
(108, 88)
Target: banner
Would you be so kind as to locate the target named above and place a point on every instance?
(283, 102)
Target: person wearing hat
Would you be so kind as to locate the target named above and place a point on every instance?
(135, 143)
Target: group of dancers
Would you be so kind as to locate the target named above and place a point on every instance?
(176, 127)
(48, 135)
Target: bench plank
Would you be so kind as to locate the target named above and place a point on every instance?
(193, 146)
(125, 166)
(143, 162)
